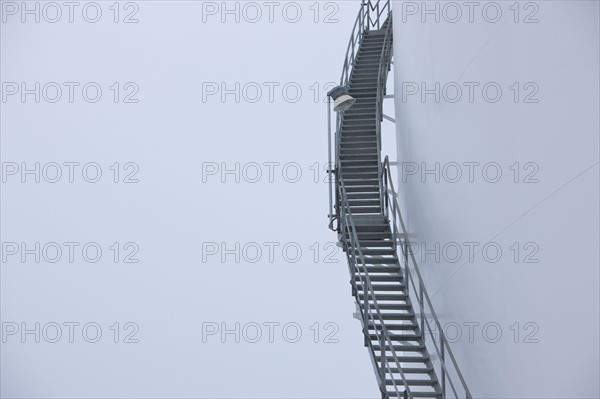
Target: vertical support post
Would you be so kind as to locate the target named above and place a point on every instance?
(337, 163)
(383, 366)
(406, 249)
(329, 165)
(443, 369)
(422, 310)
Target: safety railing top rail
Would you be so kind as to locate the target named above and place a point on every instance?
(425, 305)
(370, 311)
(369, 16)
(384, 64)
(363, 22)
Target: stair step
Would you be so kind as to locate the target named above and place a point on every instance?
(372, 236)
(360, 269)
(369, 81)
(355, 179)
(373, 232)
(415, 395)
(393, 306)
(400, 338)
(364, 103)
(373, 169)
(370, 239)
(358, 133)
(406, 359)
(376, 244)
(363, 48)
(374, 228)
(359, 136)
(354, 162)
(362, 88)
(361, 182)
(383, 287)
(360, 116)
(373, 180)
(365, 54)
(366, 80)
(357, 129)
(383, 269)
(362, 91)
(371, 162)
(394, 327)
(366, 68)
(372, 68)
(404, 316)
(368, 54)
(365, 73)
(364, 60)
(375, 48)
(360, 119)
(365, 210)
(355, 202)
(413, 382)
(385, 297)
(412, 370)
(353, 153)
(362, 189)
(381, 278)
(379, 261)
(353, 91)
(369, 186)
(359, 151)
(364, 109)
(372, 196)
(377, 35)
(436, 394)
(359, 144)
(361, 112)
(360, 139)
(377, 251)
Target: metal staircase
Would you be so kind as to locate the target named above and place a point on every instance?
(410, 354)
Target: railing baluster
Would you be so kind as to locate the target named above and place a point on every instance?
(422, 309)
(443, 371)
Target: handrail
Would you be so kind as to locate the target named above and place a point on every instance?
(391, 199)
(349, 228)
(373, 14)
(384, 65)
(364, 21)
(370, 312)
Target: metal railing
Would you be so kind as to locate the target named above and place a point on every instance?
(369, 16)
(372, 14)
(382, 74)
(414, 279)
(370, 312)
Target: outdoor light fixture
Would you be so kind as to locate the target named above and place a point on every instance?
(341, 102)
(341, 99)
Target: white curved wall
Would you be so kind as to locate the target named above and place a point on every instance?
(550, 209)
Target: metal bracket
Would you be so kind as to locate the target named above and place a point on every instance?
(389, 118)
